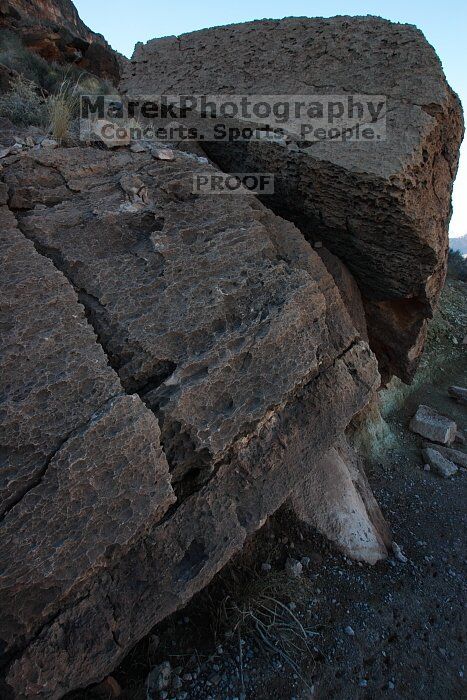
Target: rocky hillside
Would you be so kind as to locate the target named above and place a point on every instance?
(180, 364)
(54, 30)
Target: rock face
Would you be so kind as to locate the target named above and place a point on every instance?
(381, 206)
(335, 498)
(148, 434)
(54, 30)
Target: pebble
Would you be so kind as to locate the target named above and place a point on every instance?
(49, 143)
(159, 677)
(363, 683)
(293, 567)
(349, 630)
(266, 567)
(163, 154)
(398, 553)
(176, 683)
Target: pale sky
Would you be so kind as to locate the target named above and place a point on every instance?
(443, 23)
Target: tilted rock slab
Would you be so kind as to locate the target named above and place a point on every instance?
(382, 206)
(233, 365)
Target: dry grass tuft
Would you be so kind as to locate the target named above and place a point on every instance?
(271, 611)
(62, 109)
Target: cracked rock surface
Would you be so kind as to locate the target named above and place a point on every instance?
(382, 207)
(213, 362)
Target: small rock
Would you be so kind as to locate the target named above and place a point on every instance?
(158, 679)
(391, 685)
(363, 683)
(349, 630)
(398, 553)
(135, 188)
(459, 393)
(432, 425)
(441, 465)
(293, 567)
(427, 467)
(456, 456)
(163, 154)
(49, 143)
(305, 561)
(266, 567)
(29, 141)
(113, 135)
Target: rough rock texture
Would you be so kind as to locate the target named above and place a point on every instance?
(456, 456)
(440, 464)
(54, 30)
(433, 426)
(382, 206)
(336, 499)
(225, 322)
(82, 471)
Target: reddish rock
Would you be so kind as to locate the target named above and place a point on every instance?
(54, 30)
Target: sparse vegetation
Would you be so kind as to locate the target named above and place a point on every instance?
(457, 266)
(269, 611)
(62, 108)
(44, 94)
(47, 76)
(23, 105)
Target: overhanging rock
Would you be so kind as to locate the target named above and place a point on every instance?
(382, 206)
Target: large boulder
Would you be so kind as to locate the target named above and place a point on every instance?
(226, 364)
(382, 206)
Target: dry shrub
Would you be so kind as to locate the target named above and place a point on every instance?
(23, 105)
